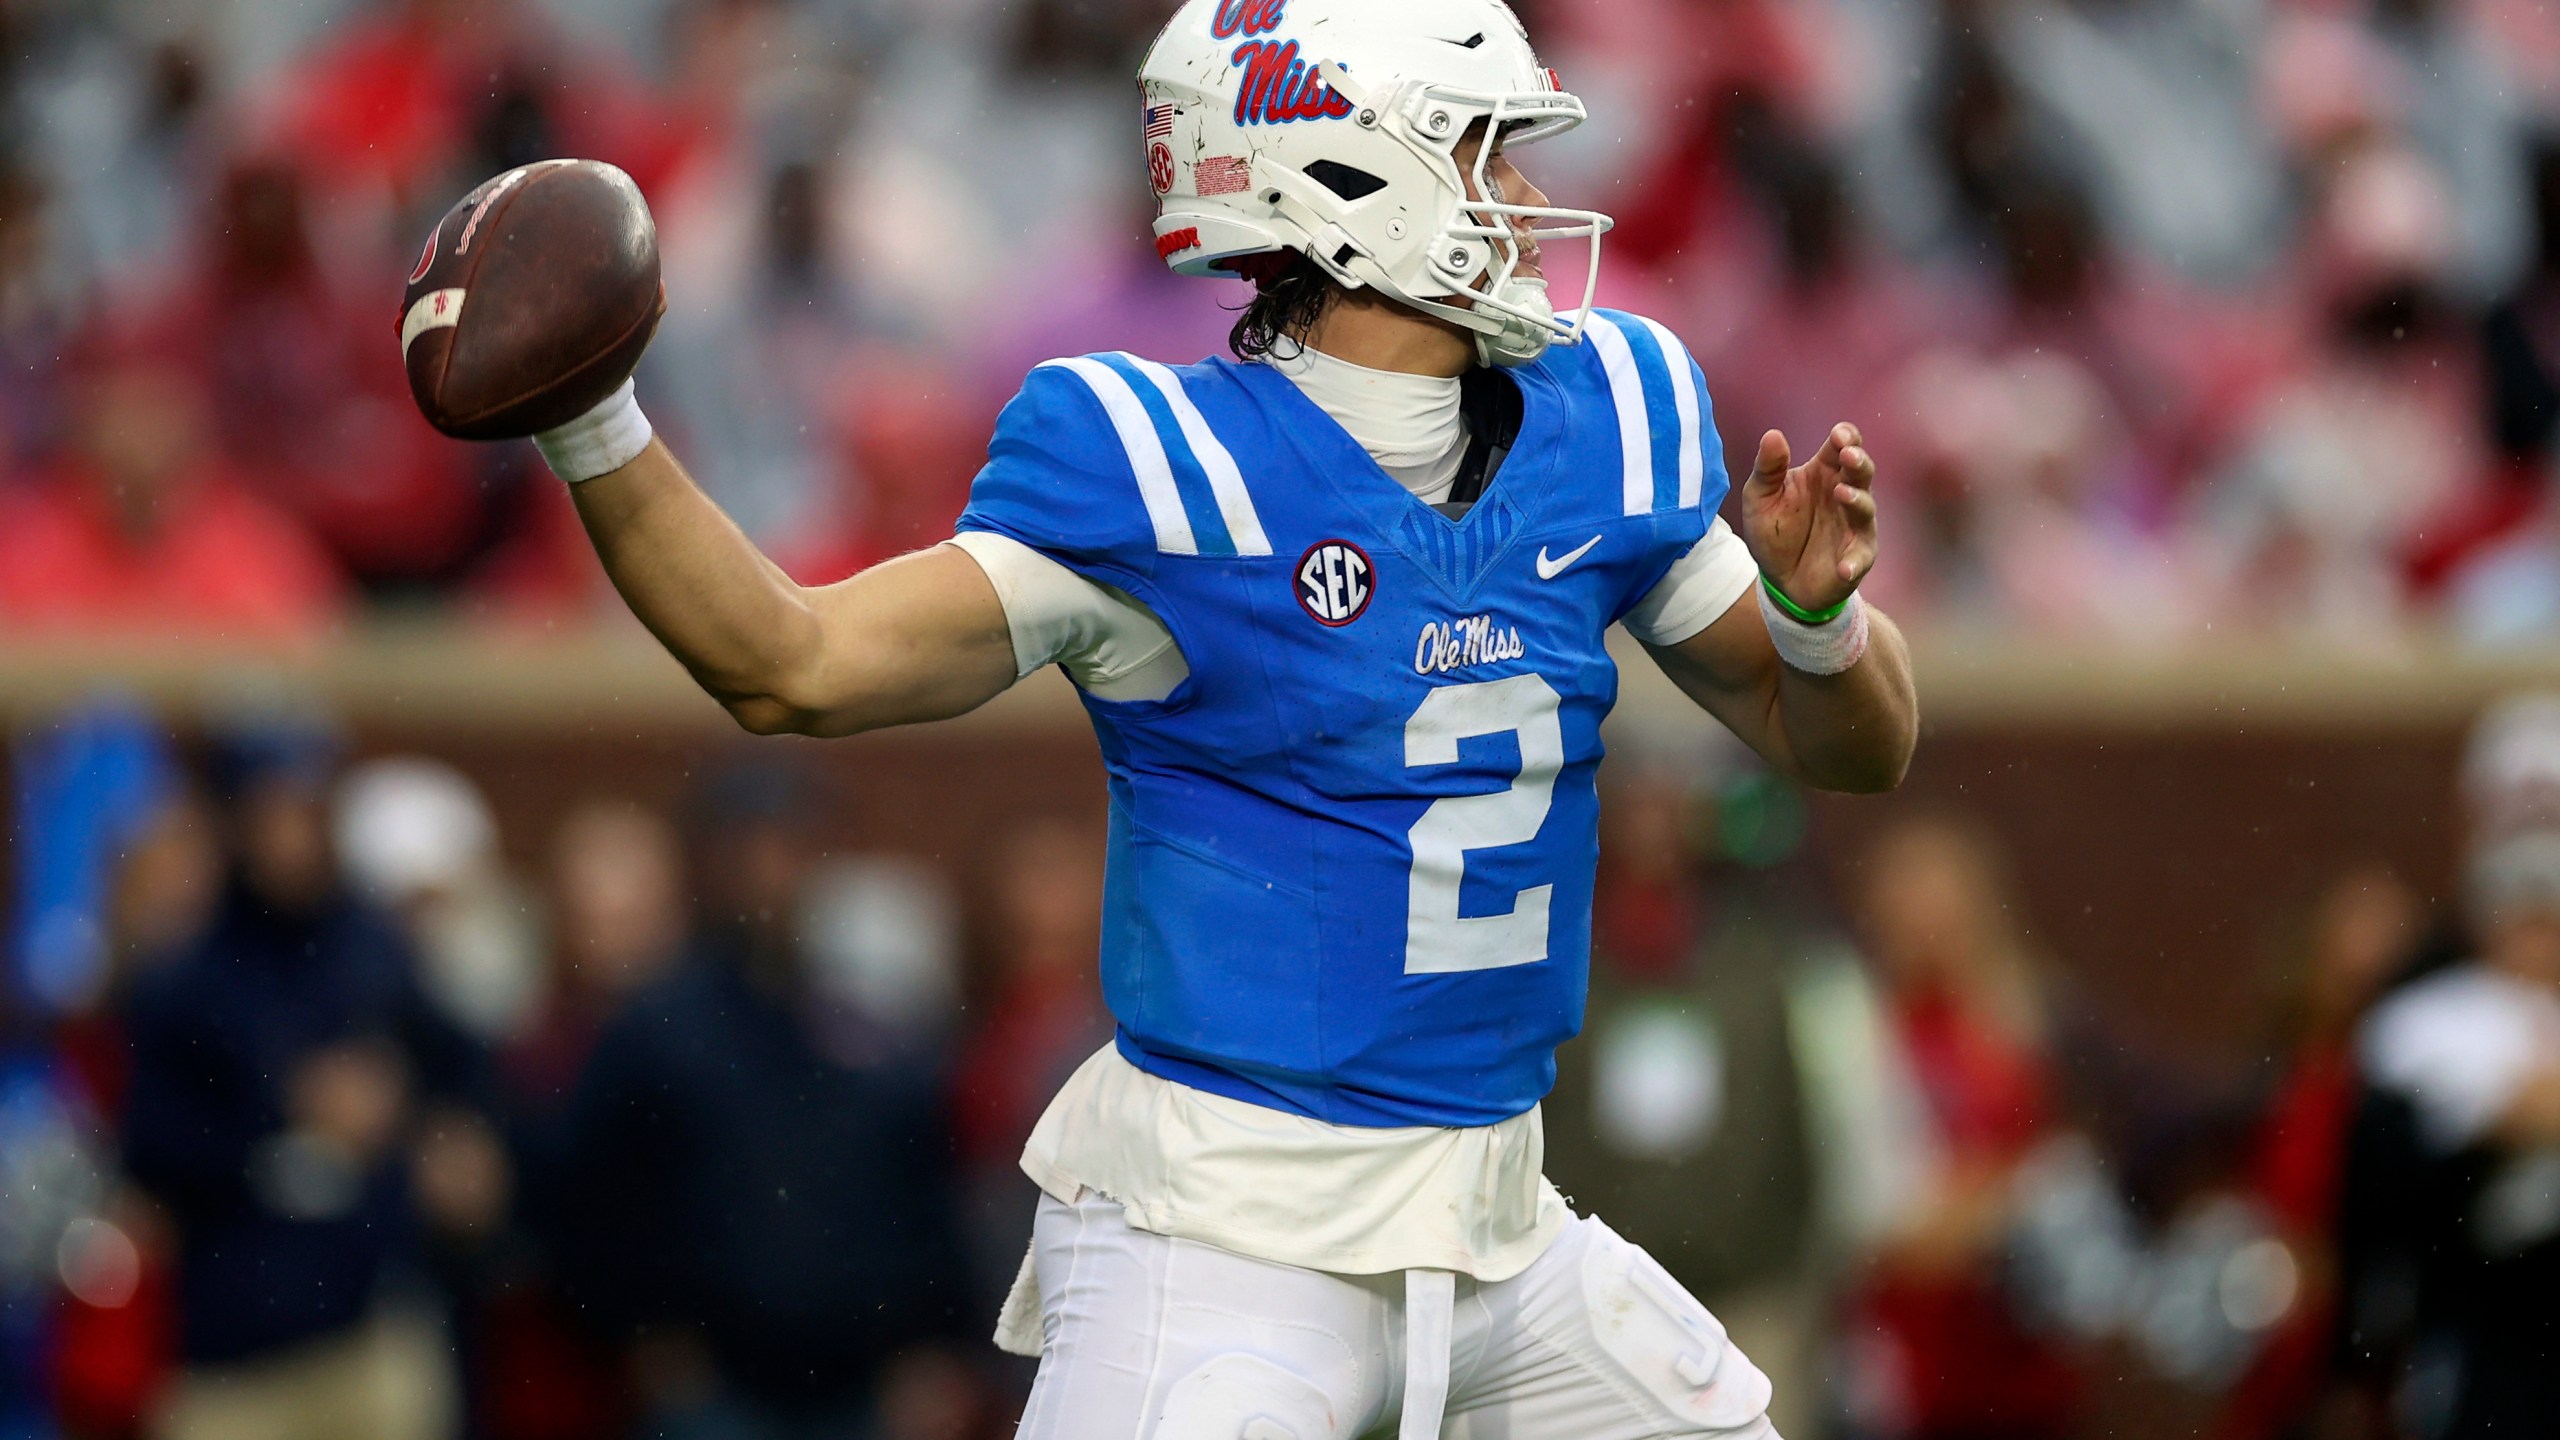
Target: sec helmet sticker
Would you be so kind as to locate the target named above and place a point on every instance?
(1335, 582)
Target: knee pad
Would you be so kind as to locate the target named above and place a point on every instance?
(1662, 1338)
(1245, 1397)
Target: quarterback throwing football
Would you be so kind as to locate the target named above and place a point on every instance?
(1337, 607)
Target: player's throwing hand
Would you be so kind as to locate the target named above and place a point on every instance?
(1812, 527)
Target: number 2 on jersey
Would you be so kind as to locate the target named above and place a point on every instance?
(1438, 940)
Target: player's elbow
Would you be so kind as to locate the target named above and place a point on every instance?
(766, 715)
(1870, 759)
(804, 701)
(1877, 767)
(1880, 776)
(772, 693)
(770, 706)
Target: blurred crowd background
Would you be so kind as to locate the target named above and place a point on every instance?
(564, 1088)
(559, 1082)
(2166, 316)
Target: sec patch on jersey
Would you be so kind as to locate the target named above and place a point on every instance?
(1335, 581)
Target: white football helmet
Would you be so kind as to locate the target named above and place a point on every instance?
(1330, 127)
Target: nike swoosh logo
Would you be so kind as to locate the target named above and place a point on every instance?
(1550, 569)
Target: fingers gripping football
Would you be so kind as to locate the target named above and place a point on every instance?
(533, 300)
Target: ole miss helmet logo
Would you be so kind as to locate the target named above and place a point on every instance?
(1247, 17)
(1278, 85)
(1335, 582)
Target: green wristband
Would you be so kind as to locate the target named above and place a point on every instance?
(1798, 613)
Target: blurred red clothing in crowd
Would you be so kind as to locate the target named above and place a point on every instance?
(1038, 1029)
(303, 398)
(1045, 1013)
(2301, 1142)
(2297, 1172)
(140, 530)
(404, 94)
(115, 1349)
(2296, 1167)
(1967, 1366)
(390, 100)
(284, 307)
(1942, 1352)
(914, 438)
(213, 560)
(308, 391)
(1987, 1092)
(1646, 910)
(1749, 73)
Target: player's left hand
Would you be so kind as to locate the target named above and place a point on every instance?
(1812, 527)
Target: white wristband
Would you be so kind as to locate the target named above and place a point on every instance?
(1825, 649)
(599, 442)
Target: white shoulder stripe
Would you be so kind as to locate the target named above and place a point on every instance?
(1684, 394)
(1626, 387)
(1235, 503)
(1146, 452)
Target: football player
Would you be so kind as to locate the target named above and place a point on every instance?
(1337, 608)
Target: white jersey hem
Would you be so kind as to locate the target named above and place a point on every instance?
(1188, 1165)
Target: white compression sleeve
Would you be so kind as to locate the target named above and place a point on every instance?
(599, 442)
(1110, 644)
(1701, 587)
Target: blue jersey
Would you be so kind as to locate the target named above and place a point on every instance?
(1351, 855)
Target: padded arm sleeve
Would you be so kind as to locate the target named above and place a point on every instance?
(1112, 646)
(1702, 586)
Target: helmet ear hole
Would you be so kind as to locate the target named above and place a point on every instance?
(1343, 180)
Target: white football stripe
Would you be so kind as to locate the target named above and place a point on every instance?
(1635, 433)
(1684, 394)
(1235, 503)
(1147, 459)
(435, 310)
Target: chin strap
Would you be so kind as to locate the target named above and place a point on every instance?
(1518, 341)
(1501, 339)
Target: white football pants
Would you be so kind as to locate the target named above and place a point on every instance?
(1150, 1338)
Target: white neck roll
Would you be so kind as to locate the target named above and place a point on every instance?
(1410, 424)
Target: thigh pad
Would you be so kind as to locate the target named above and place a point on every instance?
(1246, 1397)
(1659, 1336)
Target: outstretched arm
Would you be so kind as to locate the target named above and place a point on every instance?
(562, 296)
(1852, 732)
(1812, 531)
(921, 637)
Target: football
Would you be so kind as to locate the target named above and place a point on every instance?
(533, 300)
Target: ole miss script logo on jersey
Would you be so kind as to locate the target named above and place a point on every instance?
(1335, 582)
